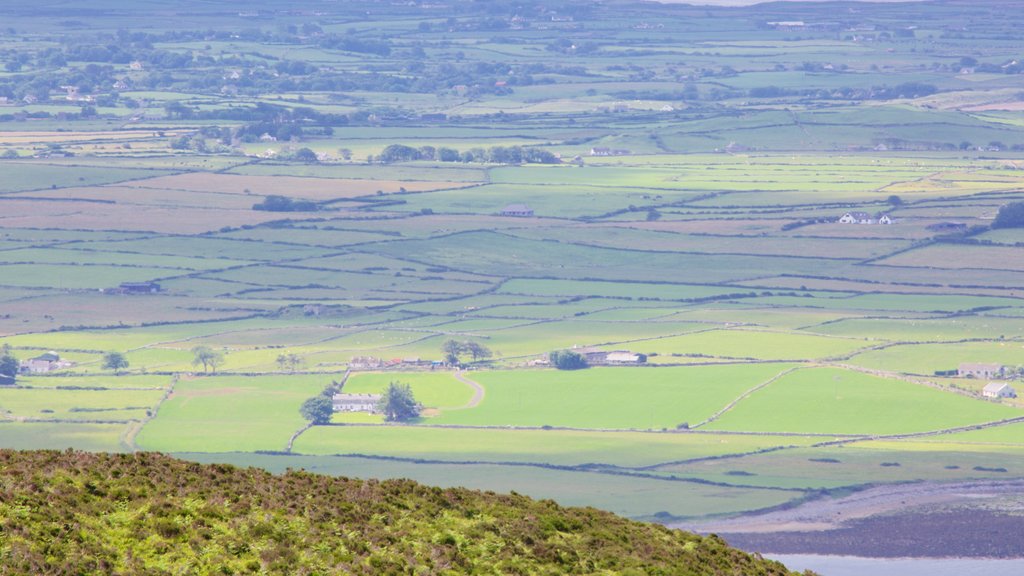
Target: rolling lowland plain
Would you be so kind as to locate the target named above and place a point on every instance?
(685, 167)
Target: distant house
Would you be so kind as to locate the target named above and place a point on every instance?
(856, 218)
(975, 370)
(625, 357)
(603, 151)
(355, 402)
(592, 355)
(517, 210)
(998, 390)
(885, 219)
(138, 288)
(43, 363)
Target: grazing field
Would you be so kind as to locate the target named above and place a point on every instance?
(248, 207)
(843, 402)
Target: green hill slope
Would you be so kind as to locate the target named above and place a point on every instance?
(81, 513)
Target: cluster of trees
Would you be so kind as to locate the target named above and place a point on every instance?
(904, 90)
(290, 361)
(453, 350)
(209, 358)
(567, 360)
(1010, 216)
(495, 154)
(275, 203)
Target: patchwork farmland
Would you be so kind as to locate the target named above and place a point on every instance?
(682, 212)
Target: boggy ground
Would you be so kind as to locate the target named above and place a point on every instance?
(983, 519)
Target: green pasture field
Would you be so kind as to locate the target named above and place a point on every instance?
(608, 398)
(473, 251)
(414, 172)
(542, 338)
(230, 413)
(635, 497)
(581, 308)
(92, 257)
(435, 390)
(84, 277)
(781, 318)
(927, 358)
(960, 257)
(852, 465)
(63, 435)
(240, 250)
(827, 400)
(111, 382)
(558, 447)
(620, 237)
(633, 290)
(923, 329)
(39, 175)
(70, 405)
(564, 201)
(1003, 236)
(744, 343)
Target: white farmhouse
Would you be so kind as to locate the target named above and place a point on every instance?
(998, 390)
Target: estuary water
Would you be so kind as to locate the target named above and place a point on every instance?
(856, 566)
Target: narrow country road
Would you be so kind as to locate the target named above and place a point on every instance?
(478, 391)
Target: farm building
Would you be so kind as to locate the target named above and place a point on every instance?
(885, 219)
(517, 210)
(998, 390)
(856, 218)
(975, 370)
(625, 357)
(365, 363)
(591, 355)
(602, 151)
(355, 402)
(138, 288)
(43, 363)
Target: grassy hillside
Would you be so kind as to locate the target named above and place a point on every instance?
(79, 513)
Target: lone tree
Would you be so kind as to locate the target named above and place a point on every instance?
(567, 360)
(208, 357)
(318, 409)
(398, 404)
(115, 361)
(451, 350)
(1010, 216)
(8, 365)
